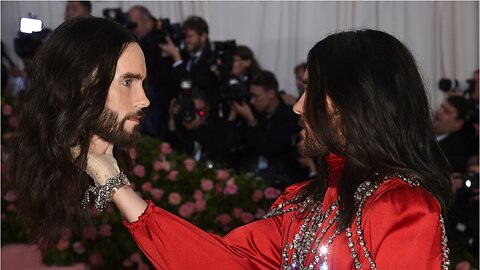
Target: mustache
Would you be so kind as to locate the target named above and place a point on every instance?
(138, 114)
(301, 122)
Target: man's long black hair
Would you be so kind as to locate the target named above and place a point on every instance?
(374, 83)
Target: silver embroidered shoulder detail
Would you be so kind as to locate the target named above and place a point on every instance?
(288, 206)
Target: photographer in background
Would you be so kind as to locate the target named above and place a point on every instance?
(455, 135)
(193, 62)
(78, 9)
(160, 87)
(269, 133)
(245, 66)
(463, 226)
(193, 131)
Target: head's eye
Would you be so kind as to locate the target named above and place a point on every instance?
(127, 83)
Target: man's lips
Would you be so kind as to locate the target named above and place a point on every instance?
(136, 118)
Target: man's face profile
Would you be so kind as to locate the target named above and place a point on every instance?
(309, 144)
(126, 98)
(445, 120)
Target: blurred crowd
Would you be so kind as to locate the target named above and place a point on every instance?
(214, 101)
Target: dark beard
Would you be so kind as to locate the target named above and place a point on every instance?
(111, 130)
(309, 146)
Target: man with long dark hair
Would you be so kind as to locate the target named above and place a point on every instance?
(378, 203)
(84, 90)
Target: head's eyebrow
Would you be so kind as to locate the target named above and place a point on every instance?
(305, 81)
(130, 75)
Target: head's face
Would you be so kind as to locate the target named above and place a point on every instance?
(144, 24)
(310, 145)
(194, 42)
(75, 9)
(446, 119)
(126, 98)
(240, 66)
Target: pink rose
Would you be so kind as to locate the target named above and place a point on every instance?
(271, 193)
(90, 233)
(172, 176)
(63, 244)
(223, 219)
(67, 233)
(156, 193)
(165, 148)
(186, 210)
(246, 217)
(78, 247)
(257, 195)
(147, 187)
(200, 205)
(260, 213)
(136, 257)
(198, 195)
(7, 109)
(133, 153)
(143, 266)
(105, 230)
(127, 263)
(157, 165)
(206, 184)
(189, 164)
(222, 174)
(174, 198)
(465, 265)
(166, 166)
(13, 121)
(10, 196)
(95, 260)
(139, 171)
(155, 177)
(230, 188)
(237, 212)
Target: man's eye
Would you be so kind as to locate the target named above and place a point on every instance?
(127, 83)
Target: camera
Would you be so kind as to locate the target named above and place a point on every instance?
(30, 37)
(221, 58)
(187, 106)
(116, 14)
(447, 85)
(234, 90)
(164, 28)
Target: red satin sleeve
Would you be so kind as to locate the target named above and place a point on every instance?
(172, 243)
(402, 228)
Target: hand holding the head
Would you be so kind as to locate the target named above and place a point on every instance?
(101, 165)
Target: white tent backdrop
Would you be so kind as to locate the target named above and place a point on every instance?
(443, 36)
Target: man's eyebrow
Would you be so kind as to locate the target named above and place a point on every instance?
(130, 75)
(305, 81)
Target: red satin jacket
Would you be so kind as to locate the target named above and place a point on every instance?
(400, 224)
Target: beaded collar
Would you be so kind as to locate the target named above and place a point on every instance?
(308, 238)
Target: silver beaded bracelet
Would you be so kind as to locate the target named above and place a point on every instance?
(104, 194)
